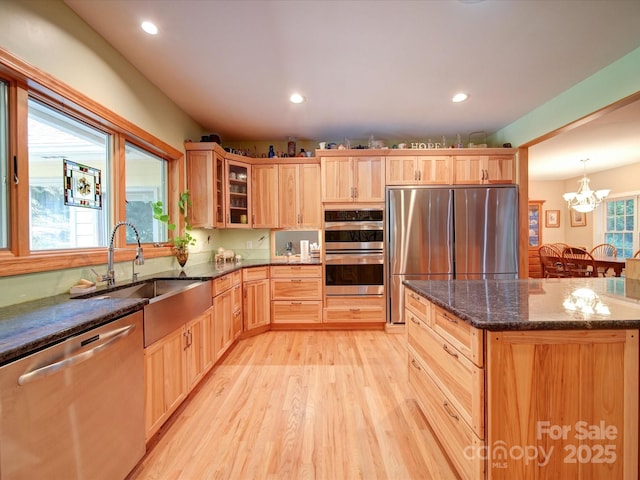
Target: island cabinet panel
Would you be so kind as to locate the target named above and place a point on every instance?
(457, 376)
(418, 308)
(572, 394)
(455, 436)
(463, 336)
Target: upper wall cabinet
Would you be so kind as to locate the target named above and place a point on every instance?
(264, 193)
(483, 169)
(419, 170)
(238, 194)
(352, 179)
(205, 172)
(299, 196)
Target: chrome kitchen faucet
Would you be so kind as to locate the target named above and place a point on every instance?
(109, 277)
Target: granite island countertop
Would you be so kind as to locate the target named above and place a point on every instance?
(31, 326)
(537, 304)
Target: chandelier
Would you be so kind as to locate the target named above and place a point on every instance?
(585, 199)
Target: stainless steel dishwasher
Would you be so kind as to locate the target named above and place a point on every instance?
(76, 410)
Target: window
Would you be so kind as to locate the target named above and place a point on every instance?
(4, 162)
(146, 183)
(620, 225)
(54, 137)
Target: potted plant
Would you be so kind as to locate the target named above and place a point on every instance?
(180, 243)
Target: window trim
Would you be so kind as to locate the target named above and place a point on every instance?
(24, 81)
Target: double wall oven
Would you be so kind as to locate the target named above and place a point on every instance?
(354, 252)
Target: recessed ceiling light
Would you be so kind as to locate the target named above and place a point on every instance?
(296, 98)
(149, 27)
(459, 97)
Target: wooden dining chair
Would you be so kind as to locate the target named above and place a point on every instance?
(637, 254)
(551, 262)
(579, 263)
(604, 250)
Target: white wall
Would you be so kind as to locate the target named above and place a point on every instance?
(621, 181)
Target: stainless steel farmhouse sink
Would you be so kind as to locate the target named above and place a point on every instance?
(151, 289)
(172, 303)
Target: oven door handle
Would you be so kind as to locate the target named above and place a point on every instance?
(337, 226)
(354, 259)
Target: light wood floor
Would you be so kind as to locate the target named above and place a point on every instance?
(301, 405)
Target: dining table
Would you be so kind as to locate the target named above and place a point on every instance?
(616, 264)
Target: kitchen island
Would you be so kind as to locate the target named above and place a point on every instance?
(529, 378)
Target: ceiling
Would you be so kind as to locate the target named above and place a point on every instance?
(383, 68)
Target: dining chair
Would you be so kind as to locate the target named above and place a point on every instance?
(551, 262)
(637, 254)
(579, 263)
(604, 250)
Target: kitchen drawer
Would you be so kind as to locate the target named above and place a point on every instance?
(236, 277)
(467, 339)
(417, 305)
(354, 309)
(457, 376)
(296, 271)
(296, 312)
(296, 288)
(221, 284)
(462, 446)
(255, 273)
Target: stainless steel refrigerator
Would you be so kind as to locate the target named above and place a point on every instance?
(449, 233)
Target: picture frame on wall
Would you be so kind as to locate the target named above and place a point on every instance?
(552, 219)
(578, 219)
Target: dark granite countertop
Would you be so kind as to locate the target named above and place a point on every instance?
(31, 326)
(538, 304)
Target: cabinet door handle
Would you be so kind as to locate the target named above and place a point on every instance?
(448, 410)
(415, 364)
(16, 180)
(450, 352)
(452, 320)
(419, 174)
(186, 340)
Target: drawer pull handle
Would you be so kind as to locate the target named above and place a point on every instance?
(354, 309)
(415, 297)
(413, 319)
(296, 303)
(448, 410)
(295, 280)
(415, 364)
(446, 349)
(452, 320)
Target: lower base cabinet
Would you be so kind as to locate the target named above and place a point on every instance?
(257, 299)
(173, 366)
(354, 309)
(296, 294)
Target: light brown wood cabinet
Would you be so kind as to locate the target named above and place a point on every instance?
(205, 172)
(296, 294)
(419, 170)
(299, 197)
(264, 193)
(484, 169)
(354, 309)
(227, 313)
(257, 299)
(237, 194)
(568, 397)
(352, 179)
(165, 379)
(198, 349)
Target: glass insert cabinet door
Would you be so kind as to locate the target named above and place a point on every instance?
(535, 228)
(238, 194)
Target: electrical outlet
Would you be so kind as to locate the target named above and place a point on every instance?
(249, 244)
